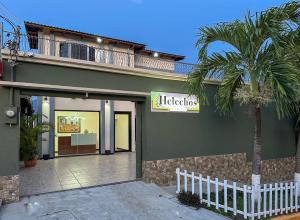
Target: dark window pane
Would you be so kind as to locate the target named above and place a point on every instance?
(91, 54)
(64, 49)
(79, 51)
(33, 41)
(52, 45)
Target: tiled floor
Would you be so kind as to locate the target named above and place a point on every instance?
(76, 172)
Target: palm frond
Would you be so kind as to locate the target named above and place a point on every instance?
(230, 33)
(216, 67)
(265, 52)
(284, 80)
(226, 91)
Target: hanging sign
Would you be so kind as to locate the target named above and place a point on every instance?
(173, 102)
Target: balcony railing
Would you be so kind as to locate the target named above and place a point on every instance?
(99, 53)
(104, 54)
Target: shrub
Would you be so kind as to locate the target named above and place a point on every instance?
(29, 131)
(189, 199)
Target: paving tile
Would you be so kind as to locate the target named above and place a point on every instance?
(68, 181)
(74, 172)
(71, 186)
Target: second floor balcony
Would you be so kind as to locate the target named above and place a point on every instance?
(104, 54)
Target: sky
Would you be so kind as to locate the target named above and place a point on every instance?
(170, 26)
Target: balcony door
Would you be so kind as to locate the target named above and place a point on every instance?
(122, 131)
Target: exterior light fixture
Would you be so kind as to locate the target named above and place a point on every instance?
(155, 54)
(10, 113)
(99, 40)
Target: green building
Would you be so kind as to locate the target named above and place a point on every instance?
(107, 97)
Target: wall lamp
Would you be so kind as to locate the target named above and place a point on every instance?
(99, 40)
(155, 54)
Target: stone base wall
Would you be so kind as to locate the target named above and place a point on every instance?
(232, 167)
(9, 188)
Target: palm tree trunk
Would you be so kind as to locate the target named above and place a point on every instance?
(297, 168)
(298, 154)
(256, 163)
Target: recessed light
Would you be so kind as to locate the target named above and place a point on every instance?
(155, 54)
(99, 40)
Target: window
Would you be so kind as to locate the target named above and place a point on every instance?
(33, 40)
(64, 49)
(77, 51)
(91, 54)
(52, 45)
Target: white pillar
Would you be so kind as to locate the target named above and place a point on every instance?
(107, 124)
(45, 118)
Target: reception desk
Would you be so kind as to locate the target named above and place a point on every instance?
(77, 144)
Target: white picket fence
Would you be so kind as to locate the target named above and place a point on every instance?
(271, 199)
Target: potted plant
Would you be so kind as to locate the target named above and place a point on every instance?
(30, 129)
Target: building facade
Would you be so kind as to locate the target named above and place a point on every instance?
(81, 73)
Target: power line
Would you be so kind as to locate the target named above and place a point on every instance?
(11, 13)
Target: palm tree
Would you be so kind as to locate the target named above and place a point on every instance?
(295, 51)
(254, 71)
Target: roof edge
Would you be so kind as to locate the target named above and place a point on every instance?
(139, 47)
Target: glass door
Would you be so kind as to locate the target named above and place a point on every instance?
(122, 131)
(76, 132)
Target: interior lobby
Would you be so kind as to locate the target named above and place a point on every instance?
(85, 126)
(90, 143)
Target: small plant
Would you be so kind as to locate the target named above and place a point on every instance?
(30, 130)
(189, 199)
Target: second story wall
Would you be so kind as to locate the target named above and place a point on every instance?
(71, 46)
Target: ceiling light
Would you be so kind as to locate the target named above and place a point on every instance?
(99, 40)
(155, 54)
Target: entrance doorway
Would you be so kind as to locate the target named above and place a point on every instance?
(122, 132)
(84, 127)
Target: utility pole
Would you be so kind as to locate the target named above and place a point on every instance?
(1, 45)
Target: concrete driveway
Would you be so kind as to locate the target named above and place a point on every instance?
(132, 200)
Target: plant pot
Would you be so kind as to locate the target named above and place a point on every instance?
(30, 163)
(46, 156)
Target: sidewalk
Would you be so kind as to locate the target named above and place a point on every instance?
(133, 200)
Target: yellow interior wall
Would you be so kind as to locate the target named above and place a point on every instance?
(122, 131)
(89, 121)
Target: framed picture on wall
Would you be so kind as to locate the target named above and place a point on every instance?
(68, 124)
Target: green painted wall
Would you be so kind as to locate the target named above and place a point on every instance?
(171, 135)
(174, 135)
(9, 138)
